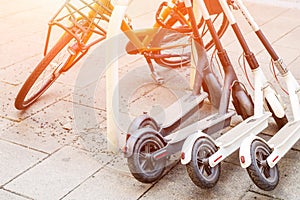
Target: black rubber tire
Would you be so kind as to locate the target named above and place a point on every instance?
(141, 165)
(279, 121)
(167, 36)
(262, 175)
(137, 124)
(202, 174)
(22, 101)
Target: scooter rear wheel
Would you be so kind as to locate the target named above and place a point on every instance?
(141, 122)
(199, 170)
(264, 177)
(142, 164)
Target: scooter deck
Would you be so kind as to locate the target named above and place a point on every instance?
(252, 125)
(176, 139)
(203, 124)
(178, 109)
(231, 140)
(285, 138)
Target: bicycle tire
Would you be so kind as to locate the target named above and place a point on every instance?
(22, 101)
(222, 29)
(170, 36)
(163, 38)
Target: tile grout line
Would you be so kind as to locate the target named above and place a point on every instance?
(24, 146)
(34, 165)
(85, 180)
(266, 195)
(18, 194)
(280, 37)
(87, 106)
(153, 184)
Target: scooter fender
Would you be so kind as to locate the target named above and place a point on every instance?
(274, 101)
(245, 148)
(135, 124)
(188, 145)
(132, 140)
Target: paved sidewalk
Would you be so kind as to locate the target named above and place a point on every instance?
(56, 149)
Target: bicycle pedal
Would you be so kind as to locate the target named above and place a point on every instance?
(158, 79)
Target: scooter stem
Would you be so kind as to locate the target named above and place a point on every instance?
(229, 72)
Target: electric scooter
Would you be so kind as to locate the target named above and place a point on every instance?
(202, 154)
(260, 157)
(150, 143)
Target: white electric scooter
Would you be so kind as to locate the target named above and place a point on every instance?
(257, 155)
(201, 153)
(150, 144)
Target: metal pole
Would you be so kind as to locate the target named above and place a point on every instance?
(194, 58)
(112, 78)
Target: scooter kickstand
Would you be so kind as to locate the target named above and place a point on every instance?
(157, 78)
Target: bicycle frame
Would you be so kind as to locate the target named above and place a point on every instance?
(161, 14)
(101, 10)
(83, 26)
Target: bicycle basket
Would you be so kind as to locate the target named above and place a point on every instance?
(82, 16)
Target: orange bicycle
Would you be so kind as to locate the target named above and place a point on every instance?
(80, 19)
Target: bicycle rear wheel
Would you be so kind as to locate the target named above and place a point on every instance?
(181, 38)
(175, 57)
(45, 73)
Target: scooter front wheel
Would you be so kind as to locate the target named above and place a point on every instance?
(199, 170)
(264, 177)
(141, 164)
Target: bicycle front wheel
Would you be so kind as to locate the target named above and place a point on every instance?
(45, 73)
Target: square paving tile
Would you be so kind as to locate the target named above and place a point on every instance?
(274, 32)
(15, 160)
(105, 185)
(9, 92)
(25, 49)
(252, 195)
(17, 76)
(5, 124)
(269, 14)
(290, 40)
(288, 188)
(8, 195)
(55, 126)
(287, 54)
(294, 69)
(56, 176)
(177, 185)
(95, 142)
